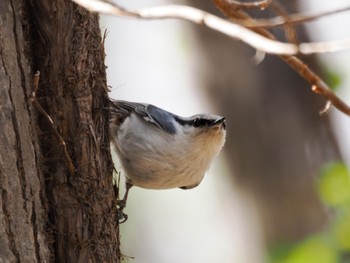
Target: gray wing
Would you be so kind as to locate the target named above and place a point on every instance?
(150, 113)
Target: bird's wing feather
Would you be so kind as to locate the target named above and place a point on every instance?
(150, 113)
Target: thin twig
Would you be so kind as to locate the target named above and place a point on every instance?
(216, 23)
(324, 47)
(37, 105)
(252, 5)
(292, 18)
(318, 85)
(288, 26)
(258, 38)
(196, 16)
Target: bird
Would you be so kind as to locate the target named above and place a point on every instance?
(158, 149)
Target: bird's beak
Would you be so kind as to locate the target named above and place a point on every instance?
(220, 122)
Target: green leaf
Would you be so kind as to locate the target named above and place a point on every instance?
(333, 79)
(278, 252)
(334, 185)
(316, 249)
(341, 230)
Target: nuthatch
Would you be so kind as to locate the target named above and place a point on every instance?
(160, 150)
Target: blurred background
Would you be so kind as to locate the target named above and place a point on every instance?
(280, 190)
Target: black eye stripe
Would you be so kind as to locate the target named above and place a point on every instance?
(199, 122)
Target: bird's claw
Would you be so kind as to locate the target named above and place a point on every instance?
(121, 204)
(122, 217)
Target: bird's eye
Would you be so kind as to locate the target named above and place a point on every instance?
(196, 122)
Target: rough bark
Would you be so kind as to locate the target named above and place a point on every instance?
(23, 216)
(47, 212)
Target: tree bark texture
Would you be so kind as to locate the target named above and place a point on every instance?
(61, 216)
(23, 213)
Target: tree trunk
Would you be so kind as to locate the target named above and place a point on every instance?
(23, 213)
(49, 213)
(277, 141)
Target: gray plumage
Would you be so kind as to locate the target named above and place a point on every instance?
(161, 150)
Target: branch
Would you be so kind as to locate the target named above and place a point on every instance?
(324, 47)
(292, 18)
(252, 5)
(288, 25)
(318, 85)
(216, 23)
(259, 38)
(196, 16)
